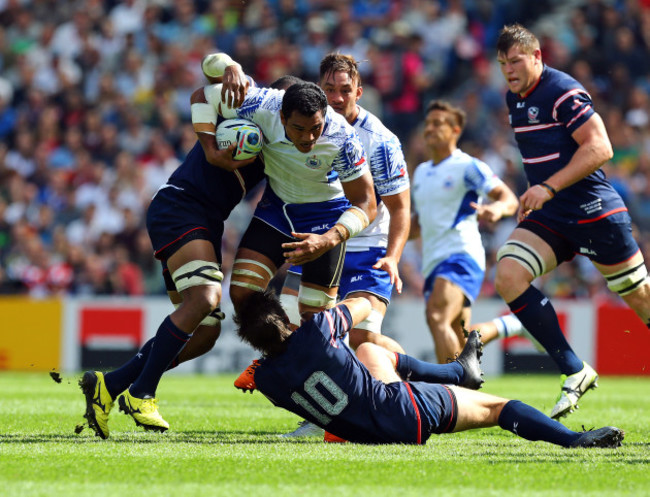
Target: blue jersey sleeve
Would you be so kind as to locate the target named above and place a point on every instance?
(573, 108)
(480, 178)
(334, 323)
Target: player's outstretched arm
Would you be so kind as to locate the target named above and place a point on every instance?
(359, 308)
(505, 203)
(360, 193)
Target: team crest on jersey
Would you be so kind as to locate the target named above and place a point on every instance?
(533, 113)
(313, 162)
(448, 183)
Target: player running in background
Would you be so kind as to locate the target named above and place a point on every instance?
(185, 222)
(447, 194)
(363, 398)
(569, 208)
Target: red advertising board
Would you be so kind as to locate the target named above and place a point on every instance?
(622, 341)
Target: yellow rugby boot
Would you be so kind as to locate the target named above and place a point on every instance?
(98, 402)
(143, 411)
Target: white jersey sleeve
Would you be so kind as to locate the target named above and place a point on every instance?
(389, 175)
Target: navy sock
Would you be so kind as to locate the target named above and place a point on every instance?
(168, 342)
(412, 369)
(529, 423)
(538, 316)
(119, 380)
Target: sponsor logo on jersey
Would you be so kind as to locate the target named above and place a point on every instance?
(533, 113)
(313, 162)
(324, 227)
(354, 279)
(521, 105)
(586, 251)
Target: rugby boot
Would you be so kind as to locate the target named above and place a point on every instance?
(608, 437)
(305, 429)
(246, 381)
(333, 439)
(470, 360)
(143, 411)
(573, 388)
(98, 402)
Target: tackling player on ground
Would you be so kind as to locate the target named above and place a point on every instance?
(364, 398)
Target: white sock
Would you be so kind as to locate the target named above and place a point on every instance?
(508, 326)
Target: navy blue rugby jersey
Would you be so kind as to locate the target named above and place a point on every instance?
(543, 122)
(213, 186)
(320, 379)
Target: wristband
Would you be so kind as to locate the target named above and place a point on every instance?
(549, 188)
(354, 220)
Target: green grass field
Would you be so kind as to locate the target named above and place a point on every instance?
(223, 442)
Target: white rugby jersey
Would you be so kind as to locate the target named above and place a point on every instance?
(389, 174)
(295, 177)
(441, 196)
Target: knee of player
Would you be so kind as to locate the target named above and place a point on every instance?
(202, 299)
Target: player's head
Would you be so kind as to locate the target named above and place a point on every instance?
(263, 323)
(443, 124)
(284, 82)
(520, 58)
(303, 114)
(341, 81)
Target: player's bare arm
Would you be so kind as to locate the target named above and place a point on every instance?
(504, 203)
(399, 208)
(594, 149)
(204, 119)
(415, 231)
(360, 193)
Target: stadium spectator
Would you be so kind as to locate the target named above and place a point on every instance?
(441, 24)
(570, 208)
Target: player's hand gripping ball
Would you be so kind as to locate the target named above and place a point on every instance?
(246, 134)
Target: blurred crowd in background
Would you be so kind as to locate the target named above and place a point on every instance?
(95, 114)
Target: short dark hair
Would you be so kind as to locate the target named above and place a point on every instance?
(306, 98)
(516, 34)
(284, 82)
(263, 323)
(458, 115)
(336, 62)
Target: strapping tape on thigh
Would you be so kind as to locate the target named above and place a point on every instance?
(197, 273)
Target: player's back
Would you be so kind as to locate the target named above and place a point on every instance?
(218, 189)
(320, 379)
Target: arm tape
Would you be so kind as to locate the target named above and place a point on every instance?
(213, 97)
(204, 118)
(355, 220)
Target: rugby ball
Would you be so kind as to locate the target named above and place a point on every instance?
(246, 134)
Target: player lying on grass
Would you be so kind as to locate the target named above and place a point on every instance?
(364, 398)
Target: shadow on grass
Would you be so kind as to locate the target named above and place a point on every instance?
(142, 437)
